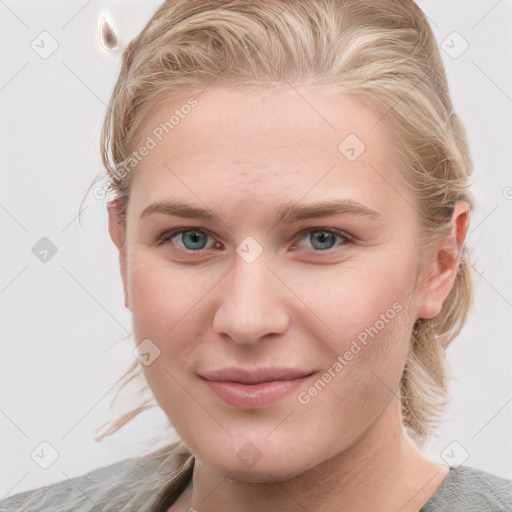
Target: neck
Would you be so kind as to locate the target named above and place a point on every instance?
(383, 470)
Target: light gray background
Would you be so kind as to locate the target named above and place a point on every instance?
(60, 318)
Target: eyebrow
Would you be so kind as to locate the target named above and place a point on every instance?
(287, 213)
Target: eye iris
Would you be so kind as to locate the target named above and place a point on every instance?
(325, 239)
(321, 236)
(193, 236)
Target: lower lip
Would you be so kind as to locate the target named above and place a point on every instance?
(254, 395)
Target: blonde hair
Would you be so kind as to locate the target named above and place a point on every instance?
(382, 52)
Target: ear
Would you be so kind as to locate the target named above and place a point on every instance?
(440, 270)
(117, 231)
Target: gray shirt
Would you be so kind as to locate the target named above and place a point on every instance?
(126, 486)
(466, 489)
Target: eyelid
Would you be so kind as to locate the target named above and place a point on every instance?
(168, 235)
(348, 239)
(334, 231)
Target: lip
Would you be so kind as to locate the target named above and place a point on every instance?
(243, 388)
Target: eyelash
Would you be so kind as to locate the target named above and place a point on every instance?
(169, 235)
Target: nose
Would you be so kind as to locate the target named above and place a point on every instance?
(252, 305)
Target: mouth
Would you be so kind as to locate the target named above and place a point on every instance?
(254, 388)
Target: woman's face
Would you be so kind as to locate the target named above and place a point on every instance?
(301, 272)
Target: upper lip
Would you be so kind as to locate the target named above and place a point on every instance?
(254, 376)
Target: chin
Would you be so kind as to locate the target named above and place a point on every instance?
(264, 473)
(251, 466)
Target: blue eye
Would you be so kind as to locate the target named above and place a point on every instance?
(191, 239)
(195, 240)
(324, 239)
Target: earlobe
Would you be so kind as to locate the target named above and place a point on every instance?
(441, 269)
(117, 232)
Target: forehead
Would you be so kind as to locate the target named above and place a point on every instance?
(249, 147)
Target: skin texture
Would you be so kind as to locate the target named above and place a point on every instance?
(241, 154)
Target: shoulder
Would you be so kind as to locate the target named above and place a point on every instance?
(83, 493)
(467, 489)
(131, 484)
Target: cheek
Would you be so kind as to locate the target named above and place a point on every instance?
(150, 302)
(159, 296)
(167, 306)
(361, 379)
(367, 309)
(159, 312)
(356, 300)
